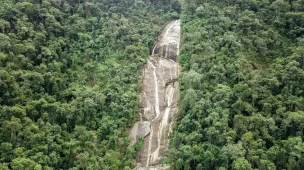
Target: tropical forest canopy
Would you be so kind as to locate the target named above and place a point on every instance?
(69, 80)
(242, 86)
(69, 83)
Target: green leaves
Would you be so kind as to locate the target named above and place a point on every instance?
(241, 86)
(24, 163)
(4, 42)
(69, 75)
(241, 164)
(12, 127)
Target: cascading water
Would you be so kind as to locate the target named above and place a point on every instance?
(156, 109)
(159, 97)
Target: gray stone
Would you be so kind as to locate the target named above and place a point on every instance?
(159, 97)
(139, 130)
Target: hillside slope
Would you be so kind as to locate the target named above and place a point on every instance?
(69, 80)
(242, 86)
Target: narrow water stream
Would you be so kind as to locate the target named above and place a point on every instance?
(159, 97)
(156, 110)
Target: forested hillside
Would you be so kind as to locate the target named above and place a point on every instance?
(69, 83)
(69, 80)
(242, 86)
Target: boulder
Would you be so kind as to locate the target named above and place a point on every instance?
(139, 130)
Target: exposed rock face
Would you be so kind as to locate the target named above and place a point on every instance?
(160, 95)
(158, 167)
(139, 130)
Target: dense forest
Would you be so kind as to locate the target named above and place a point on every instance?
(69, 80)
(242, 86)
(69, 83)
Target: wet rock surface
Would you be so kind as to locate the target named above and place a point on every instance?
(159, 97)
(158, 167)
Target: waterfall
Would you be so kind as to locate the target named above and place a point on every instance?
(159, 95)
(156, 111)
(154, 49)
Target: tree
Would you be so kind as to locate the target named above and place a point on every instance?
(4, 25)
(4, 166)
(5, 42)
(25, 163)
(241, 164)
(12, 127)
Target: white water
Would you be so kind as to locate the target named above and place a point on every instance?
(167, 31)
(156, 109)
(156, 90)
(154, 49)
(160, 123)
(149, 146)
(163, 124)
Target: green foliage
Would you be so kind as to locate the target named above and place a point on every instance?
(69, 83)
(242, 80)
(69, 80)
(24, 163)
(139, 144)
